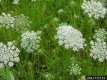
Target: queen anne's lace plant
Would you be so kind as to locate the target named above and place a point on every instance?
(30, 41)
(82, 78)
(22, 22)
(102, 1)
(98, 50)
(8, 54)
(70, 37)
(33, 0)
(6, 20)
(60, 10)
(100, 34)
(49, 76)
(15, 2)
(93, 9)
(73, 60)
(75, 69)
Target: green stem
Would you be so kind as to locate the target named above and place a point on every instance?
(8, 73)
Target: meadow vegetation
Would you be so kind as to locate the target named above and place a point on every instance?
(53, 39)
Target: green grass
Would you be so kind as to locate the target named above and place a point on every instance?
(51, 57)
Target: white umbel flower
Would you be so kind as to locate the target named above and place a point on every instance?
(70, 37)
(102, 1)
(15, 2)
(100, 34)
(8, 54)
(60, 10)
(22, 22)
(48, 76)
(30, 41)
(33, 0)
(98, 50)
(99, 47)
(93, 9)
(6, 20)
(75, 69)
(82, 78)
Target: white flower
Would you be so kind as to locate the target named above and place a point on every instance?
(98, 50)
(15, 2)
(93, 9)
(6, 20)
(100, 34)
(73, 4)
(1, 65)
(82, 78)
(60, 10)
(73, 60)
(75, 69)
(33, 0)
(30, 41)
(102, 1)
(70, 37)
(22, 22)
(55, 19)
(48, 76)
(8, 54)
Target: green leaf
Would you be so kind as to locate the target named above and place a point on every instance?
(11, 75)
(2, 71)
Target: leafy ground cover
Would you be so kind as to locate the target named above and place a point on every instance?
(52, 39)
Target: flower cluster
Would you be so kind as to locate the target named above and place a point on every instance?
(75, 69)
(93, 9)
(102, 1)
(82, 78)
(73, 60)
(48, 76)
(8, 54)
(30, 41)
(70, 37)
(15, 2)
(60, 10)
(98, 50)
(22, 22)
(100, 34)
(6, 20)
(33, 0)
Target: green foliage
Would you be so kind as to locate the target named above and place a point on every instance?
(51, 57)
